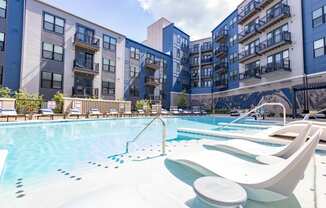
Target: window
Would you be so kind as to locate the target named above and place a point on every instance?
(134, 53)
(178, 67)
(319, 48)
(178, 39)
(134, 71)
(108, 65)
(109, 43)
(317, 17)
(53, 23)
(51, 80)
(2, 41)
(3, 8)
(178, 53)
(52, 52)
(108, 88)
(133, 91)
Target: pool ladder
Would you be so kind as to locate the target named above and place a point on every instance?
(255, 109)
(144, 129)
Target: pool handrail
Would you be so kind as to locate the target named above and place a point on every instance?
(144, 129)
(255, 109)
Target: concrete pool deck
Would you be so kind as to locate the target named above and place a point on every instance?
(145, 179)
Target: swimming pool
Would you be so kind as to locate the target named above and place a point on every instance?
(37, 150)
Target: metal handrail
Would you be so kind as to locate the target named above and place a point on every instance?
(255, 109)
(143, 130)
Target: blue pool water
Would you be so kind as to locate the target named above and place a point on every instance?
(37, 150)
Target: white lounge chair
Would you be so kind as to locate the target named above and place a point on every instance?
(164, 112)
(3, 156)
(94, 111)
(141, 112)
(46, 111)
(254, 149)
(8, 112)
(263, 182)
(74, 111)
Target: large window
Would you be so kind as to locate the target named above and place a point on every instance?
(52, 52)
(2, 41)
(108, 65)
(133, 91)
(319, 47)
(51, 80)
(109, 43)
(108, 88)
(3, 8)
(53, 23)
(134, 53)
(279, 59)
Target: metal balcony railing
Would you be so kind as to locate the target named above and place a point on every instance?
(85, 67)
(86, 41)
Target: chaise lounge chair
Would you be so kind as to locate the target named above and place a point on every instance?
(263, 182)
(253, 149)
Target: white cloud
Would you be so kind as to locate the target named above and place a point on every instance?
(196, 17)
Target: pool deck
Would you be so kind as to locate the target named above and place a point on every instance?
(145, 179)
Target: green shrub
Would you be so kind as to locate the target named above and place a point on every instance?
(27, 103)
(182, 100)
(143, 104)
(222, 111)
(4, 92)
(58, 98)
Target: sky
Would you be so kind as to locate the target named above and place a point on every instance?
(131, 17)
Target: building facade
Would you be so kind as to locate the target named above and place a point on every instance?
(11, 31)
(145, 73)
(258, 53)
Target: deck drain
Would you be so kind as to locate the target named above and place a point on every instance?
(78, 179)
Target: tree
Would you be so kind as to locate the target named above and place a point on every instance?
(58, 98)
(27, 103)
(4, 92)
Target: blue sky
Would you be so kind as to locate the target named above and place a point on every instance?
(131, 17)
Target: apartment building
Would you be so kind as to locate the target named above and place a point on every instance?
(261, 51)
(63, 52)
(145, 73)
(11, 19)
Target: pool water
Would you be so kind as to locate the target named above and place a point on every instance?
(37, 150)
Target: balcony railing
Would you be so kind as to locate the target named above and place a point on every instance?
(248, 11)
(221, 65)
(221, 84)
(221, 36)
(152, 81)
(152, 64)
(206, 48)
(86, 41)
(249, 33)
(194, 63)
(274, 17)
(85, 92)
(84, 67)
(184, 61)
(194, 50)
(249, 54)
(283, 65)
(250, 74)
(207, 60)
(221, 51)
(283, 38)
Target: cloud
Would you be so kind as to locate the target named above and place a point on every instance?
(196, 17)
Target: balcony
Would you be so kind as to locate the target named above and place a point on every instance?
(277, 41)
(152, 64)
(206, 61)
(275, 17)
(152, 81)
(194, 63)
(184, 47)
(248, 11)
(221, 66)
(194, 50)
(249, 33)
(88, 42)
(249, 54)
(184, 61)
(221, 51)
(206, 48)
(250, 74)
(221, 36)
(221, 84)
(84, 67)
(85, 92)
(281, 67)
